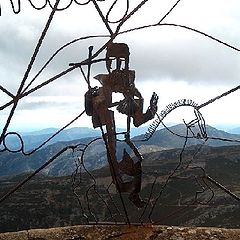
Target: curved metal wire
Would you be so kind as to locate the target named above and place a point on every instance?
(16, 8)
(110, 10)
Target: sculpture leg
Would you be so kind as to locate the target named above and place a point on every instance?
(110, 137)
(137, 180)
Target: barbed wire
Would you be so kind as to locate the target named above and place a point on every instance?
(84, 183)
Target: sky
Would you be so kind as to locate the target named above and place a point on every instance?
(174, 62)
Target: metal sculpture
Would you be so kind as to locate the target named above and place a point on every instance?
(98, 102)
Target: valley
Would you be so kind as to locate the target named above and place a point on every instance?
(173, 187)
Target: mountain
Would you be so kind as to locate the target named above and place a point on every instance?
(235, 130)
(174, 137)
(34, 139)
(40, 132)
(182, 197)
(95, 155)
(135, 131)
(17, 163)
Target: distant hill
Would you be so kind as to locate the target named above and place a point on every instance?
(34, 139)
(17, 163)
(235, 130)
(41, 132)
(95, 156)
(176, 136)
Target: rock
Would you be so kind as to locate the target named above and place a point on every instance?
(124, 232)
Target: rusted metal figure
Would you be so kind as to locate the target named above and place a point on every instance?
(98, 102)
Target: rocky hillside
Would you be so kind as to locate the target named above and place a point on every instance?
(182, 197)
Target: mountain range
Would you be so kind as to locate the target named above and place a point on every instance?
(95, 155)
(175, 136)
(34, 139)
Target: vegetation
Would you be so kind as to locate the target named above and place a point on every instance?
(50, 202)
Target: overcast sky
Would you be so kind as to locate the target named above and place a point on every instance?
(174, 62)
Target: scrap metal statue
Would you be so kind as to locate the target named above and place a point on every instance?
(98, 104)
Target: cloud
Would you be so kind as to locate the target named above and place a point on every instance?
(161, 54)
(49, 102)
(21, 33)
(156, 53)
(179, 54)
(39, 105)
(193, 60)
